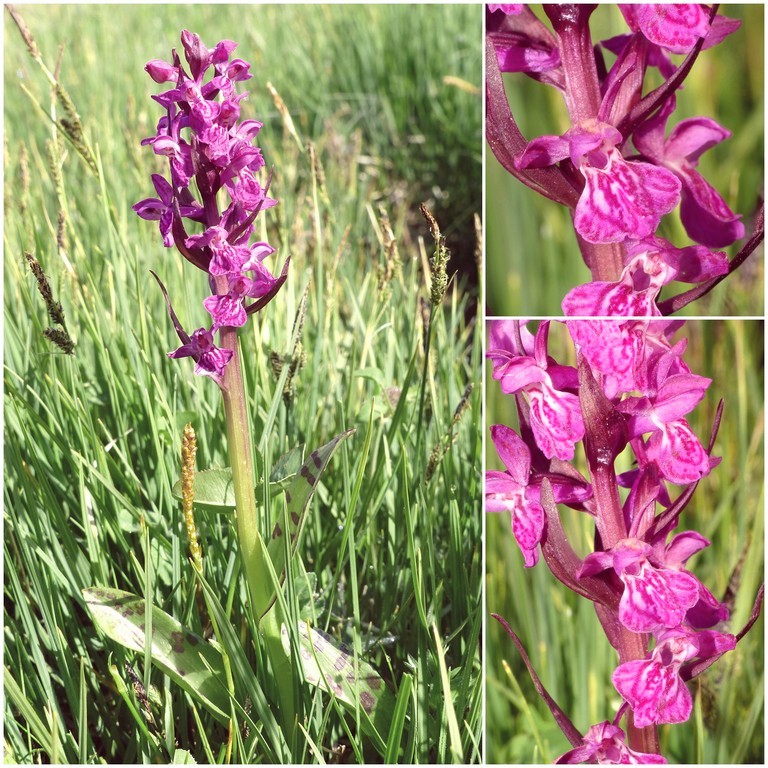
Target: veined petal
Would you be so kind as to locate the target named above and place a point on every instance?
(689, 139)
(656, 693)
(513, 452)
(624, 200)
(678, 453)
(676, 27)
(602, 299)
(656, 598)
(543, 151)
(556, 421)
(705, 215)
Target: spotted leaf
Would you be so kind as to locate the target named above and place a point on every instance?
(331, 666)
(179, 653)
(288, 521)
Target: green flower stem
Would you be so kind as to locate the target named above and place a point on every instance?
(249, 538)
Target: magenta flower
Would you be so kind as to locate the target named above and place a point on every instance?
(621, 199)
(654, 598)
(228, 309)
(160, 208)
(677, 27)
(511, 492)
(672, 445)
(205, 145)
(650, 264)
(654, 688)
(511, 9)
(605, 744)
(210, 360)
(556, 417)
(705, 215)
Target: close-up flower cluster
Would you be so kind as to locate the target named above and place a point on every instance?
(629, 396)
(206, 143)
(628, 159)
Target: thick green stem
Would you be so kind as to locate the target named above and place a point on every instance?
(241, 460)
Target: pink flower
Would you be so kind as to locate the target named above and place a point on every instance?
(654, 597)
(511, 9)
(621, 199)
(555, 415)
(650, 264)
(210, 360)
(677, 27)
(672, 445)
(705, 215)
(228, 309)
(654, 688)
(605, 744)
(511, 492)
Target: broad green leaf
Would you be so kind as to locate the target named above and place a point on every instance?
(183, 757)
(287, 465)
(289, 521)
(358, 686)
(214, 489)
(182, 655)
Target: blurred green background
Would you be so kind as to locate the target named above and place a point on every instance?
(560, 630)
(532, 256)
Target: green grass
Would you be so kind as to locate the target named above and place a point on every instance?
(92, 439)
(560, 631)
(532, 256)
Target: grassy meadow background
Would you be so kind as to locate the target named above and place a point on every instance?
(385, 113)
(560, 630)
(532, 256)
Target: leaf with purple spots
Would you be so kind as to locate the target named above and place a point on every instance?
(290, 520)
(357, 685)
(179, 653)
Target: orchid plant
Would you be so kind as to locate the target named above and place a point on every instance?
(628, 395)
(617, 168)
(213, 185)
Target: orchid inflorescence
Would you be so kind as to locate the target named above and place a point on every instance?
(618, 196)
(632, 389)
(204, 142)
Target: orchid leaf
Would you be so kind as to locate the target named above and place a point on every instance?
(179, 653)
(290, 520)
(356, 685)
(214, 489)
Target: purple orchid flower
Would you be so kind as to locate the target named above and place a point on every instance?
(605, 744)
(705, 215)
(617, 199)
(210, 360)
(655, 688)
(555, 414)
(651, 264)
(621, 199)
(638, 574)
(677, 27)
(654, 598)
(204, 143)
